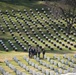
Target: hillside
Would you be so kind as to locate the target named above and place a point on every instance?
(26, 23)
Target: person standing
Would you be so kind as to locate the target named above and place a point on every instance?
(29, 50)
(38, 49)
(43, 52)
(35, 51)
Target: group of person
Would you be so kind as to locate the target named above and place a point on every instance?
(35, 51)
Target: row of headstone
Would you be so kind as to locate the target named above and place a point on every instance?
(17, 41)
(58, 40)
(3, 72)
(44, 71)
(40, 32)
(26, 33)
(62, 30)
(55, 44)
(57, 71)
(54, 38)
(3, 45)
(18, 31)
(20, 12)
(62, 63)
(70, 59)
(18, 72)
(49, 32)
(55, 17)
(33, 64)
(69, 62)
(12, 34)
(12, 45)
(20, 63)
(52, 68)
(52, 20)
(25, 41)
(35, 34)
(20, 44)
(33, 72)
(2, 29)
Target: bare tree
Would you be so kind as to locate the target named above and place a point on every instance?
(69, 14)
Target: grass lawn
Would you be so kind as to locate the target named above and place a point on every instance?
(26, 4)
(9, 56)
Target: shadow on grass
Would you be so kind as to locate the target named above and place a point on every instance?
(25, 3)
(60, 51)
(48, 51)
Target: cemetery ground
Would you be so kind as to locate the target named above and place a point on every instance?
(20, 32)
(20, 56)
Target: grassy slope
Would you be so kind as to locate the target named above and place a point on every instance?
(9, 55)
(20, 55)
(21, 4)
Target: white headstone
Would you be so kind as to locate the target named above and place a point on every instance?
(65, 71)
(30, 71)
(24, 66)
(44, 64)
(47, 65)
(34, 56)
(68, 69)
(15, 59)
(41, 62)
(56, 73)
(69, 58)
(29, 62)
(52, 61)
(75, 66)
(64, 56)
(18, 72)
(37, 73)
(58, 58)
(54, 56)
(74, 55)
(73, 61)
(71, 64)
(39, 68)
(36, 65)
(74, 70)
(60, 71)
(33, 64)
(27, 59)
(62, 61)
(37, 59)
(45, 57)
(52, 73)
(23, 73)
(47, 72)
(55, 63)
(59, 65)
(27, 68)
(48, 59)
(66, 62)
(55, 69)
(34, 72)
(51, 67)
(43, 70)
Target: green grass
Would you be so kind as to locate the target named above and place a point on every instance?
(25, 4)
(9, 56)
